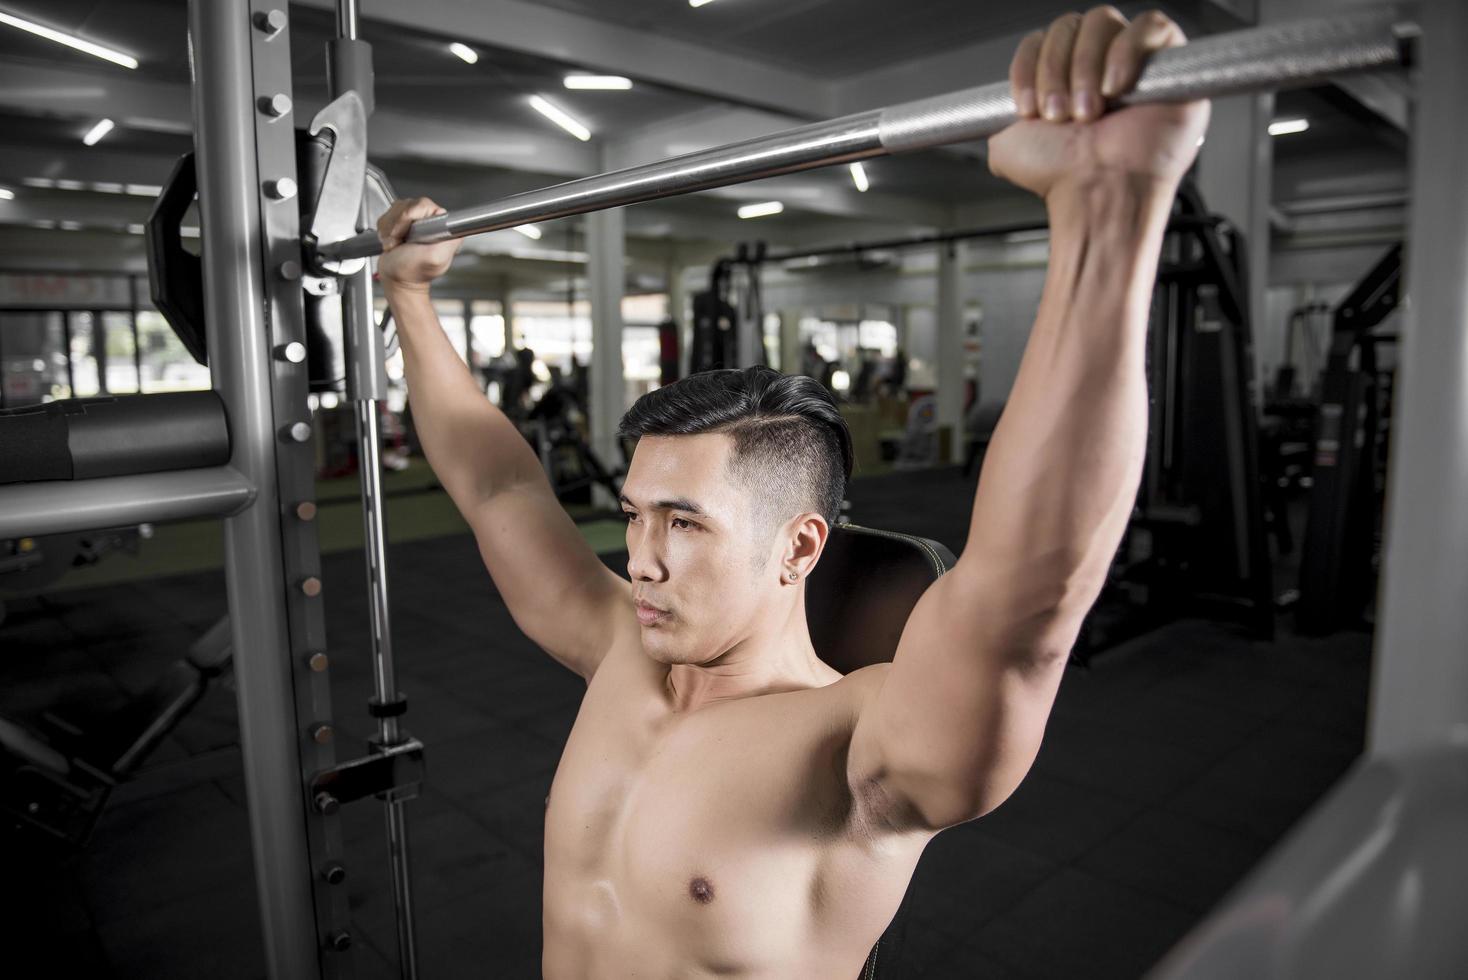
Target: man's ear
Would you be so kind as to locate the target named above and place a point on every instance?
(804, 540)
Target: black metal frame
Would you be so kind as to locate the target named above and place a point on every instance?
(1337, 578)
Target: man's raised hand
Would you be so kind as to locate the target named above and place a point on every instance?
(1061, 78)
(411, 266)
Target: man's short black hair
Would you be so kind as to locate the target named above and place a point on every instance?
(790, 441)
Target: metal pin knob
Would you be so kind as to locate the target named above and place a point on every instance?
(281, 188)
(293, 352)
(317, 662)
(326, 804)
(321, 733)
(334, 873)
(290, 270)
(311, 587)
(275, 105)
(339, 941)
(296, 432)
(306, 510)
(270, 22)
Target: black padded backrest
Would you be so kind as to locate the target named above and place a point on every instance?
(859, 597)
(856, 603)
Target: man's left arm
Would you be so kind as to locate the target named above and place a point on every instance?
(958, 719)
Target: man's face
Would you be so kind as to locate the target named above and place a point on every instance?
(700, 566)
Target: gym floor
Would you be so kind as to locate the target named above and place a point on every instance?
(1170, 765)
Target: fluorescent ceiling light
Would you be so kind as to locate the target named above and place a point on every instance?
(698, 3)
(559, 116)
(6, 194)
(71, 226)
(94, 134)
(599, 83)
(1284, 127)
(548, 255)
(158, 125)
(465, 52)
(71, 41)
(99, 186)
(136, 230)
(761, 210)
(859, 177)
(529, 231)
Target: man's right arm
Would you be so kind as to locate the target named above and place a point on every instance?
(558, 591)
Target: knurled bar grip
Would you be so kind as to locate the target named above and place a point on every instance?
(1259, 59)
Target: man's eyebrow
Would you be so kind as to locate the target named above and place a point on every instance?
(681, 503)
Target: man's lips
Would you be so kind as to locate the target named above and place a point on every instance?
(648, 614)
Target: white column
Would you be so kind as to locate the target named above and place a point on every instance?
(606, 274)
(1419, 693)
(789, 341)
(505, 296)
(678, 304)
(949, 355)
(677, 295)
(1234, 170)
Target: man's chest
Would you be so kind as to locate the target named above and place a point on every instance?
(731, 828)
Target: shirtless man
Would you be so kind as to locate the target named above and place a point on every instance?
(727, 804)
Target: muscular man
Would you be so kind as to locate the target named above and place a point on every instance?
(727, 804)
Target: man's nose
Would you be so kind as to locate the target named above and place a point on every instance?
(644, 558)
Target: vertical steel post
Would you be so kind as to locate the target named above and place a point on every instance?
(66, 345)
(240, 364)
(245, 144)
(466, 308)
(606, 241)
(132, 317)
(1420, 685)
(350, 68)
(950, 358)
(346, 20)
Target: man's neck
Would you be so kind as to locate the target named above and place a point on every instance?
(765, 663)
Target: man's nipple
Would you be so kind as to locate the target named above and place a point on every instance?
(701, 890)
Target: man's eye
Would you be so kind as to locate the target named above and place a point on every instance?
(682, 523)
(629, 516)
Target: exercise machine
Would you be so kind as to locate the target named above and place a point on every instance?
(257, 253)
(553, 428)
(1196, 541)
(55, 779)
(1348, 476)
(729, 316)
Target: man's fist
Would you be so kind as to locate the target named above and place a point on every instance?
(406, 266)
(1060, 78)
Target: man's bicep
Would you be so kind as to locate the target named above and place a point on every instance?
(557, 589)
(958, 719)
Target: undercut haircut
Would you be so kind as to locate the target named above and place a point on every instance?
(791, 444)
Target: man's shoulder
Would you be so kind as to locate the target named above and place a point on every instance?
(865, 681)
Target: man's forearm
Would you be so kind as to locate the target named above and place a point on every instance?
(1062, 469)
(473, 448)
